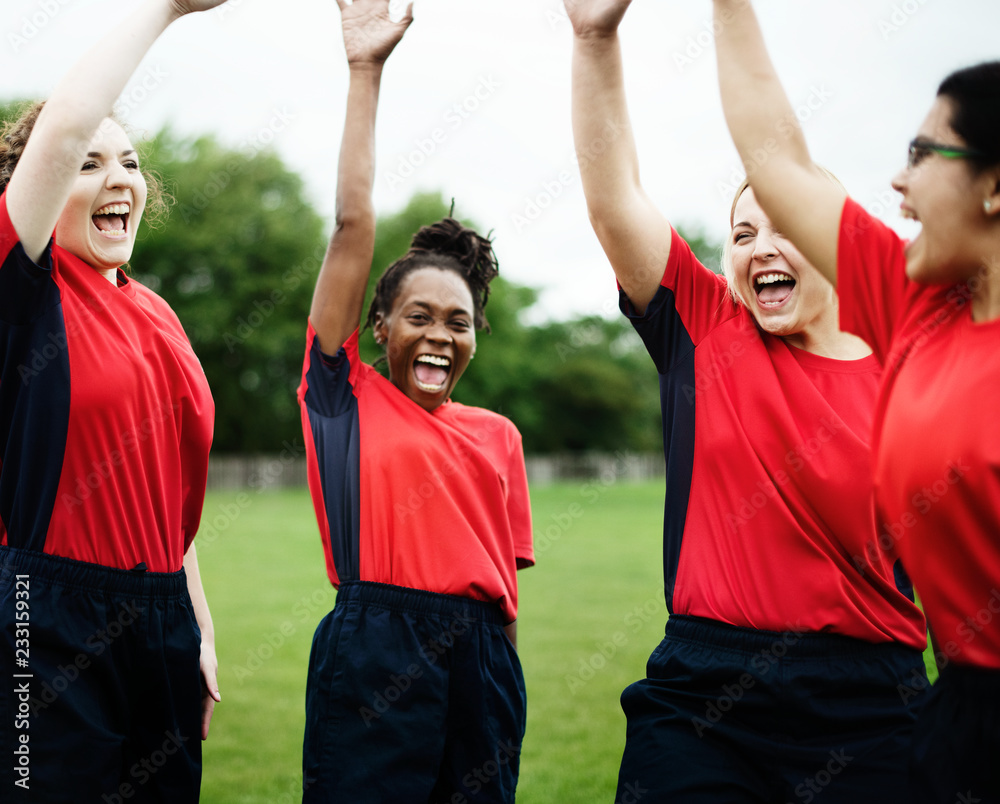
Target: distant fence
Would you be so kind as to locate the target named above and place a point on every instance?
(288, 468)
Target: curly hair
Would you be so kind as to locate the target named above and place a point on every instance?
(14, 137)
(450, 246)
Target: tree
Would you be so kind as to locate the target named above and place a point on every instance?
(237, 260)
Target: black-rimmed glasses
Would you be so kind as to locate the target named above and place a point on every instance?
(920, 149)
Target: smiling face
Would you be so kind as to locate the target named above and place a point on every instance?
(945, 195)
(429, 334)
(99, 221)
(785, 294)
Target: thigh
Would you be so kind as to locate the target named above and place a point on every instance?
(162, 757)
(956, 751)
(689, 735)
(486, 718)
(376, 700)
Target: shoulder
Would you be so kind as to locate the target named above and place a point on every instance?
(480, 422)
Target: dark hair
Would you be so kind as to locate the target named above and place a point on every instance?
(450, 246)
(975, 95)
(14, 137)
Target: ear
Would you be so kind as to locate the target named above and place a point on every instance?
(991, 196)
(380, 330)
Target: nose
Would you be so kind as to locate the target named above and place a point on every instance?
(764, 247)
(118, 176)
(899, 180)
(438, 332)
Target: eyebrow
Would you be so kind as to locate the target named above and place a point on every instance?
(98, 154)
(429, 308)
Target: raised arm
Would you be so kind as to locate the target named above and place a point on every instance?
(57, 148)
(799, 198)
(369, 38)
(634, 234)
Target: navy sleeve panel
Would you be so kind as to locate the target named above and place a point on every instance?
(34, 398)
(26, 289)
(672, 350)
(333, 418)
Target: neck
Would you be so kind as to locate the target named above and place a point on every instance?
(986, 290)
(111, 274)
(824, 337)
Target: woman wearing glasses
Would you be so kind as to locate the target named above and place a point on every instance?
(786, 643)
(930, 309)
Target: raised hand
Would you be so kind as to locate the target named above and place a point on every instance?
(595, 17)
(369, 34)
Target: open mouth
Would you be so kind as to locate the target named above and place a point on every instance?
(431, 372)
(111, 221)
(773, 288)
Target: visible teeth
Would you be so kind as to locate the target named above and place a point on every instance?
(434, 360)
(769, 279)
(113, 209)
(908, 214)
(431, 388)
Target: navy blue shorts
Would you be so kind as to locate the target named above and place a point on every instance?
(412, 698)
(100, 699)
(733, 714)
(956, 751)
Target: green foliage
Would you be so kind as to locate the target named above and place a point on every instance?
(237, 259)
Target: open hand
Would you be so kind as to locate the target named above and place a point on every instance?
(600, 17)
(369, 34)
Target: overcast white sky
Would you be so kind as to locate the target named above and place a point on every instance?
(483, 87)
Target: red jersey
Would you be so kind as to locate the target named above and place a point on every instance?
(106, 418)
(936, 438)
(768, 491)
(426, 500)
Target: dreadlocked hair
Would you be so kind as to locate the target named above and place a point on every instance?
(447, 245)
(14, 136)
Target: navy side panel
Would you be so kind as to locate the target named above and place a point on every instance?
(34, 397)
(333, 417)
(672, 350)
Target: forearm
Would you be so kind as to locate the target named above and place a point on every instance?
(198, 599)
(757, 110)
(82, 99)
(340, 289)
(602, 132)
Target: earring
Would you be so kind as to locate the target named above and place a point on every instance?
(379, 340)
(987, 206)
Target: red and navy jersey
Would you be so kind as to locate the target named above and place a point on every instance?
(936, 437)
(105, 414)
(768, 492)
(426, 500)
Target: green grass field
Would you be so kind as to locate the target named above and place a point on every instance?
(591, 611)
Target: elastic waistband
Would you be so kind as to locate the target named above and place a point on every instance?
(69, 572)
(419, 601)
(792, 643)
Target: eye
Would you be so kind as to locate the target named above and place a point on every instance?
(131, 164)
(741, 236)
(460, 324)
(417, 318)
(90, 164)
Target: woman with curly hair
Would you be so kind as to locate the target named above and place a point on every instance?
(105, 427)
(415, 693)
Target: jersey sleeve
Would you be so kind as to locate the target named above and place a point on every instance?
(518, 502)
(690, 302)
(871, 278)
(328, 380)
(26, 289)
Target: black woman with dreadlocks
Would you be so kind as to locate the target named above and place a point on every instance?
(415, 692)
